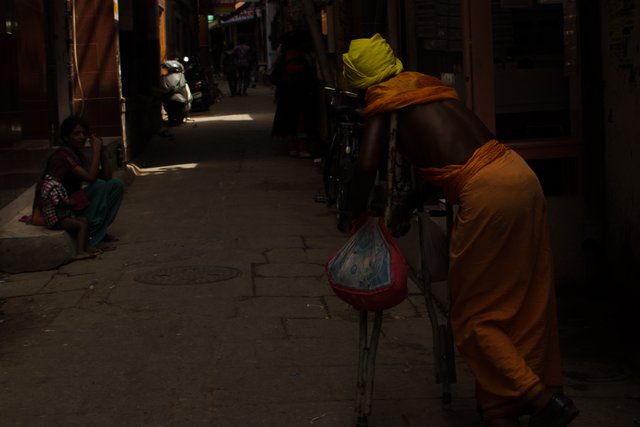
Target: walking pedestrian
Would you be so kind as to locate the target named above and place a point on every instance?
(230, 70)
(242, 58)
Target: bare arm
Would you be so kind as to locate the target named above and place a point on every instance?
(374, 139)
(68, 202)
(94, 167)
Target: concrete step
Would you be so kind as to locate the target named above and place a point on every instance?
(25, 247)
(25, 155)
(21, 165)
(18, 178)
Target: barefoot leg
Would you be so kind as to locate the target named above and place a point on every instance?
(83, 255)
(77, 227)
(110, 238)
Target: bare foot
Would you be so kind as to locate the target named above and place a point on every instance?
(94, 250)
(110, 238)
(83, 255)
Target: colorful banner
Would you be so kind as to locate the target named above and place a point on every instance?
(246, 14)
(216, 7)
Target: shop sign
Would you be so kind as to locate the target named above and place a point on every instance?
(216, 7)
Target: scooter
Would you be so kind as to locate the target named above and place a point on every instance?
(176, 98)
(198, 84)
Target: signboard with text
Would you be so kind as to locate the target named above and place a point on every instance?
(216, 7)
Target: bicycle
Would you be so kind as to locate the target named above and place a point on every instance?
(342, 151)
(406, 200)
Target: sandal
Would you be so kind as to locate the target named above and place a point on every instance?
(559, 412)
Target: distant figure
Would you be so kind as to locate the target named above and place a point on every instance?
(58, 208)
(243, 60)
(230, 70)
(253, 67)
(295, 119)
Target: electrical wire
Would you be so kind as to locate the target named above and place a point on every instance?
(75, 57)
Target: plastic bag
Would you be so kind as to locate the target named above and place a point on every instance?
(369, 271)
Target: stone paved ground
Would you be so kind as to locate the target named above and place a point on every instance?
(213, 309)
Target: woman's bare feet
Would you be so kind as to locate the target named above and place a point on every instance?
(110, 238)
(83, 255)
(94, 250)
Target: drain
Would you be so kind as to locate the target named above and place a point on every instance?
(597, 372)
(189, 275)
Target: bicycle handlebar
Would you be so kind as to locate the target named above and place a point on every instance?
(345, 111)
(349, 110)
(335, 91)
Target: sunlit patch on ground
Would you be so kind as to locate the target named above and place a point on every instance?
(161, 169)
(227, 118)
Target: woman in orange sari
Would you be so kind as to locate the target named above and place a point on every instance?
(503, 309)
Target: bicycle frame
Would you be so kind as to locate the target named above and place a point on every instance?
(398, 189)
(342, 152)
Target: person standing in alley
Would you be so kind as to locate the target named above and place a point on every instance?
(294, 75)
(230, 70)
(503, 311)
(242, 58)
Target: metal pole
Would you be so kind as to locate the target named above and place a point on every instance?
(316, 37)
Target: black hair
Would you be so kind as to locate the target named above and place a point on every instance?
(56, 161)
(69, 124)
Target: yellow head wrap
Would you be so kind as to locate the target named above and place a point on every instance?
(369, 61)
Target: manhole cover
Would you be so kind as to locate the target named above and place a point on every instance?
(190, 275)
(596, 372)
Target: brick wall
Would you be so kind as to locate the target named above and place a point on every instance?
(96, 87)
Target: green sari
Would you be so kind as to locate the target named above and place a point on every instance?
(105, 196)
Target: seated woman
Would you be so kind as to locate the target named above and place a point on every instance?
(89, 178)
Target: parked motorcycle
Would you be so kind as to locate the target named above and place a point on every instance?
(177, 96)
(198, 84)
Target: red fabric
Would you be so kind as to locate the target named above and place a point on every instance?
(81, 199)
(382, 298)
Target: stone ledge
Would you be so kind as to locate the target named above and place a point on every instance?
(25, 247)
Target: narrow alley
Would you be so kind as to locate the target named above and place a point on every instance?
(213, 309)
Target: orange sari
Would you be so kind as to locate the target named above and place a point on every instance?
(407, 88)
(503, 309)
